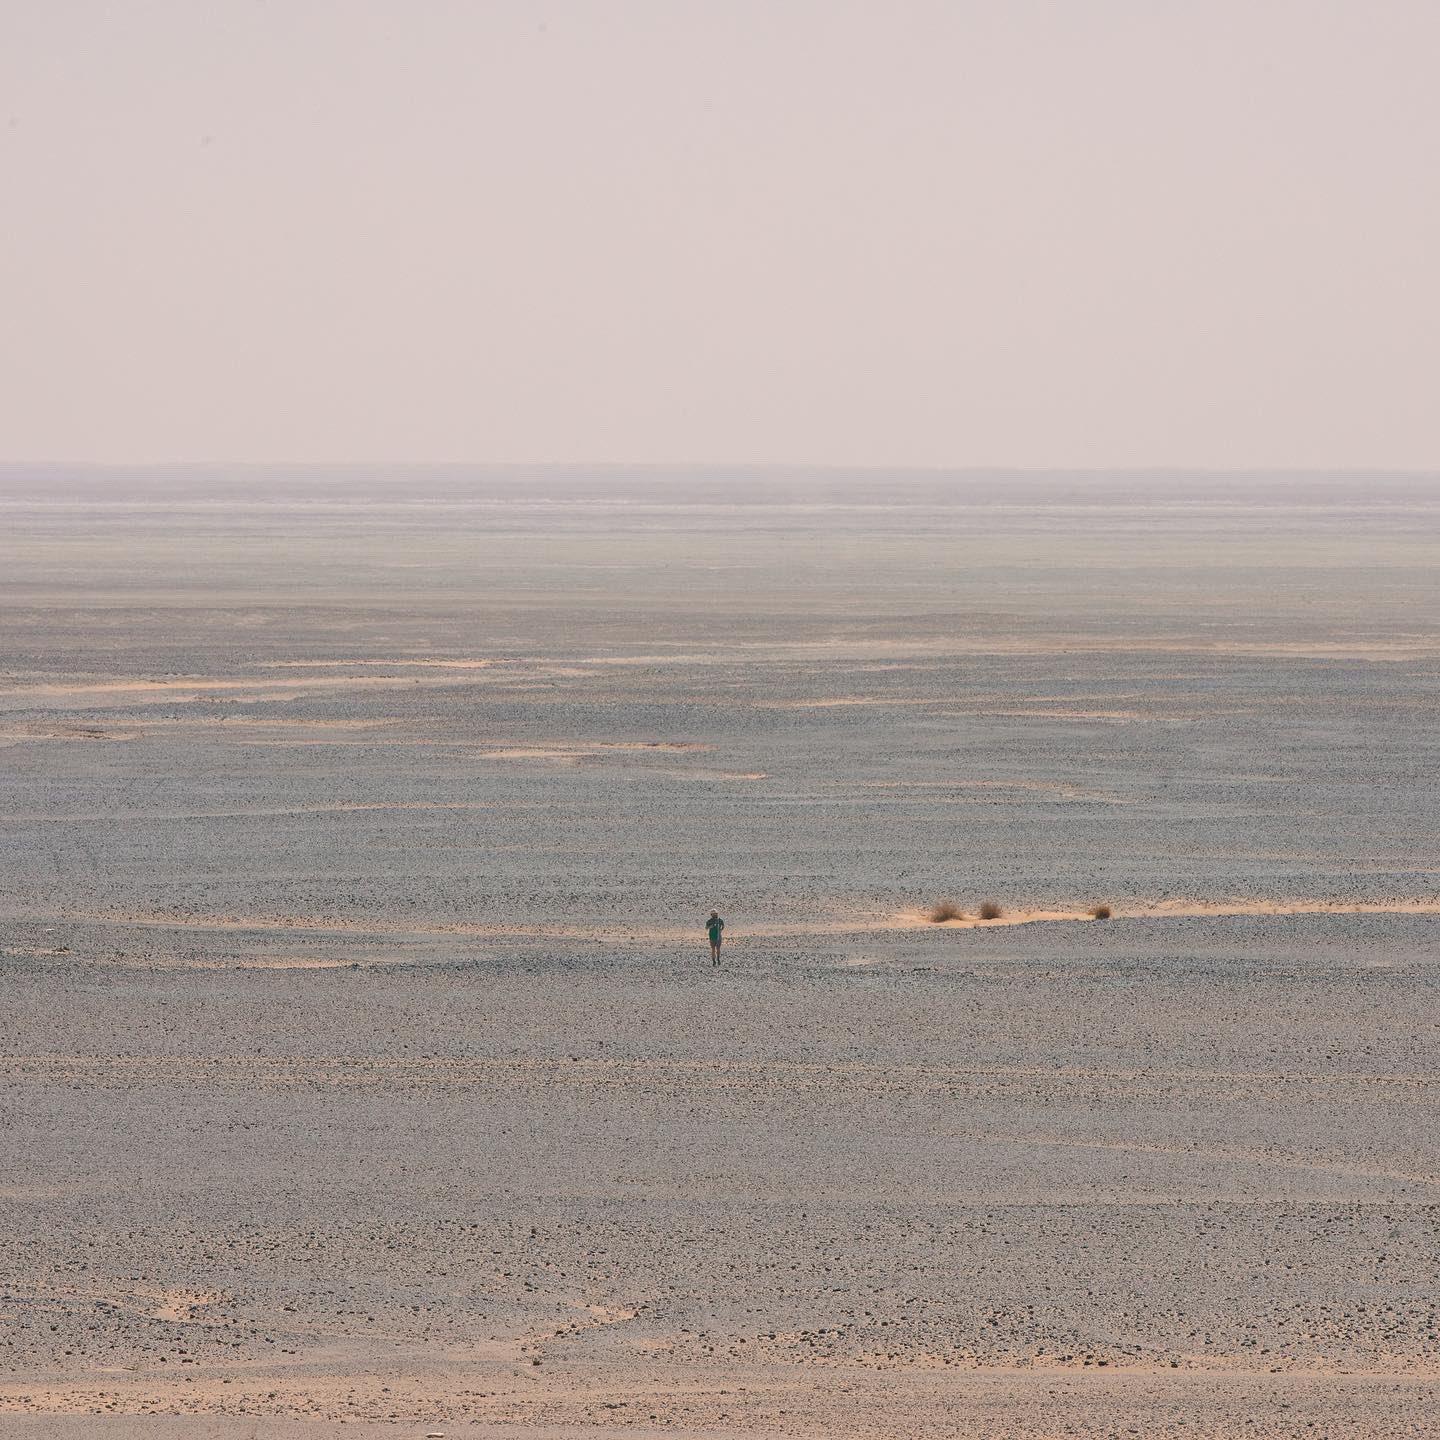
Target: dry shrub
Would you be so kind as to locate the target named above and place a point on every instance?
(1099, 912)
(944, 910)
(989, 910)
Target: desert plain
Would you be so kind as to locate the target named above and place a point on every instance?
(365, 1072)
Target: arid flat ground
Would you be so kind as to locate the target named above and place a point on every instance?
(363, 1062)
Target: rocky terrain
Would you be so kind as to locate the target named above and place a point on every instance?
(363, 1063)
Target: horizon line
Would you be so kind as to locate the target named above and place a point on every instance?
(758, 466)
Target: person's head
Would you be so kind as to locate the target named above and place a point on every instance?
(714, 915)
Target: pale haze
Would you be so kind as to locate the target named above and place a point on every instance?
(1073, 234)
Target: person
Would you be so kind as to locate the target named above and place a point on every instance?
(713, 927)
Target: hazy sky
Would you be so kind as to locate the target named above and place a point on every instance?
(934, 232)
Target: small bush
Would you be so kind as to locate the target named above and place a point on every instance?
(944, 910)
(989, 910)
(1099, 912)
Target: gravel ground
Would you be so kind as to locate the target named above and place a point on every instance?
(362, 1057)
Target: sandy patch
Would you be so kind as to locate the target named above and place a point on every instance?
(582, 749)
(966, 708)
(393, 664)
(130, 817)
(23, 734)
(1112, 716)
(257, 740)
(1048, 789)
(913, 919)
(719, 774)
(232, 720)
(679, 746)
(1166, 908)
(198, 686)
(538, 752)
(837, 924)
(273, 962)
(1178, 909)
(492, 1397)
(836, 702)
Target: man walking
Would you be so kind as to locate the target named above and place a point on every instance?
(714, 927)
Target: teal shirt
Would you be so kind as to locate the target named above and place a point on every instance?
(713, 929)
